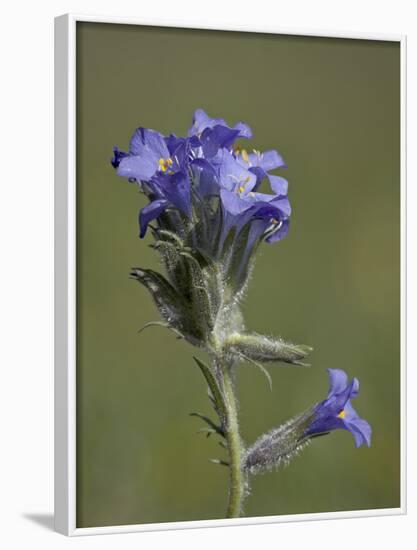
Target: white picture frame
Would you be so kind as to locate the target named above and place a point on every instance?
(65, 282)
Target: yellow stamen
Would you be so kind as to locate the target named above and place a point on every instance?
(164, 164)
(342, 414)
(245, 155)
(274, 221)
(241, 189)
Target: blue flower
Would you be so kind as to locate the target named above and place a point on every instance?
(148, 155)
(272, 218)
(238, 188)
(260, 164)
(204, 178)
(201, 121)
(236, 184)
(181, 149)
(336, 410)
(243, 205)
(165, 191)
(215, 133)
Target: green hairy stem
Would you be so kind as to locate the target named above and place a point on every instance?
(234, 445)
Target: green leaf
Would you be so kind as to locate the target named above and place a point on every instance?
(210, 422)
(207, 431)
(214, 388)
(219, 462)
(160, 324)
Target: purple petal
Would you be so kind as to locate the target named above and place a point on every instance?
(140, 168)
(278, 185)
(117, 157)
(136, 141)
(201, 121)
(350, 413)
(259, 172)
(280, 233)
(174, 188)
(361, 431)
(173, 142)
(148, 144)
(336, 402)
(256, 231)
(245, 131)
(204, 164)
(265, 209)
(217, 138)
(355, 387)
(149, 213)
(338, 381)
(154, 141)
(325, 424)
(233, 202)
(207, 184)
(262, 197)
(270, 160)
(283, 205)
(233, 175)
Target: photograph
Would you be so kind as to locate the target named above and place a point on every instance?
(238, 274)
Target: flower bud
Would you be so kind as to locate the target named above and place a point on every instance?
(266, 350)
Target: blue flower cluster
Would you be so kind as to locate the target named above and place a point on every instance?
(178, 173)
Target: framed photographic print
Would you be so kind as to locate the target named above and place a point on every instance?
(230, 288)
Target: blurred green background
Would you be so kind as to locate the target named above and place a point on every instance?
(331, 107)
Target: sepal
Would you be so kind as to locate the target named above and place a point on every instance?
(212, 426)
(278, 446)
(194, 276)
(257, 347)
(171, 305)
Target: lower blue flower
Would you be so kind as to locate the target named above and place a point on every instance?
(166, 191)
(337, 412)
